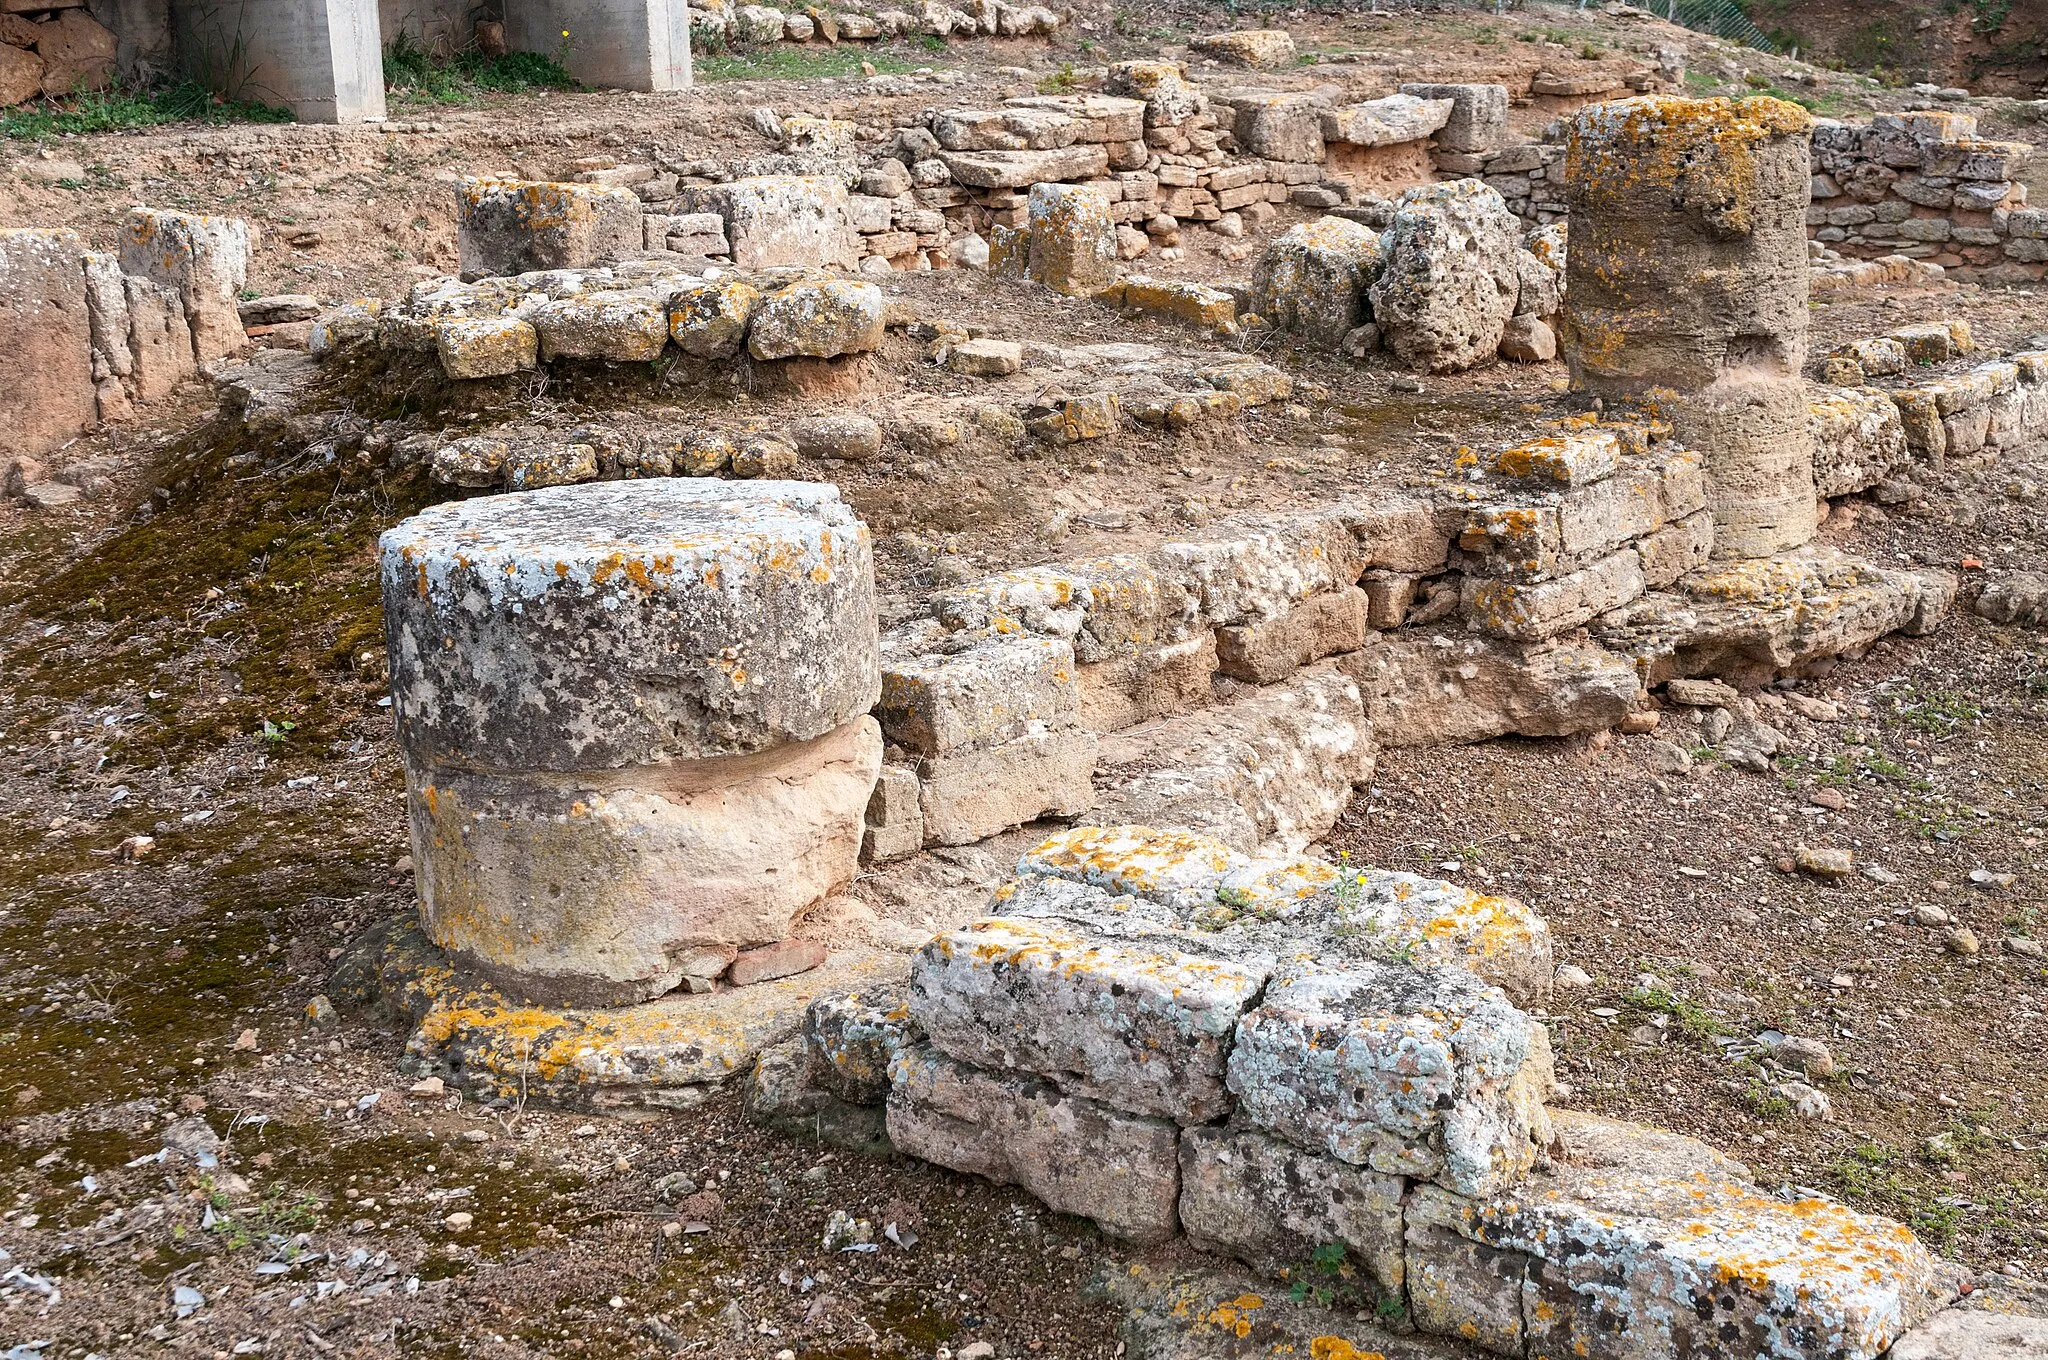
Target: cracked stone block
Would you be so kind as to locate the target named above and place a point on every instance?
(1411, 1070)
(1318, 627)
(708, 319)
(1180, 1313)
(1448, 282)
(486, 348)
(895, 819)
(47, 331)
(1858, 439)
(960, 692)
(1478, 119)
(1249, 570)
(1143, 1028)
(517, 226)
(852, 1038)
(1312, 279)
(1108, 607)
(1151, 681)
(967, 796)
(1636, 1243)
(817, 318)
(1276, 1207)
(1075, 1155)
(1386, 121)
(625, 327)
(780, 1095)
(772, 221)
(206, 259)
(1532, 613)
(1073, 239)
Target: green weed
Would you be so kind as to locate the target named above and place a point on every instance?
(123, 108)
(798, 61)
(413, 75)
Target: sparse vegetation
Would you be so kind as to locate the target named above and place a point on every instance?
(126, 108)
(413, 75)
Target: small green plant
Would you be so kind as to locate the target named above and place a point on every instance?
(1060, 81)
(413, 75)
(1687, 1016)
(279, 1214)
(931, 42)
(273, 734)
(798, 61)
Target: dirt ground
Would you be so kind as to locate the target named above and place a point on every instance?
(207, 672)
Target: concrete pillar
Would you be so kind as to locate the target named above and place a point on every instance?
(324, 59)
(612, 44)
(635, 724)
(1686, 282)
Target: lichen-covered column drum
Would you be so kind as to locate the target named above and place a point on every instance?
(1686, 285)
(635, 722)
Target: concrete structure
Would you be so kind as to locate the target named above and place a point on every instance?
(615, 44)
(324, 59)
(1687, 275)
(635, 725)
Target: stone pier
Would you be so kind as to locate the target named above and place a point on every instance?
(635, 725)
(612, 44)
(324, 59)
(1687, 288)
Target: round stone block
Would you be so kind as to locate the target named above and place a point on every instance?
(614, 887)
(613, 624)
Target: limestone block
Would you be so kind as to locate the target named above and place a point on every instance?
(1644, 1247)
(758, 24)
(1680, 547)
(1592, 520)
(1858, 439)
(1141, 1027)
(46, 329)
(851, 1038)
(1420, 1071)
(1185, 1313)
(821, 319)
(106, 303)
(21, 75)
(781, 1095)
(1255, 569)
(1312, 279)
(1479, 115)
(846, 436)
(1072, 420)
(1280, 127)
(1385, 122)
(1073, 239)
(1436, 690)
(1006, 129)
(708, 320)
(1531, 613)
(970, 795)
(743, 616)
(1957, 1334)
(620, 326)
(1196, 304)
(1448, 284)
(206, 259)
(566, 886)
(1275, 1207)
(476, 462)
(1150, 681)
(1170, 99)
(1076, 1155)
(1254, 47)
(895, 820)
(1179, 870)
(1320, 626)
(1573, 459)
(532, 466)
(1106, 607)
(956, 693)
(985, 358)
(486, 348)
(1397, 532)
(514, 226)
(1022, 168)
(1102, 118)
(1277, 766)
(781, 220)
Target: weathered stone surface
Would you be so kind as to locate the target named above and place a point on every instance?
(1249, 47)
(1275, 1207)
(708, 320)
(851, 1038)
(1313, 278)
(47, 332)
(486, 348)
(1007, 129)
(780, 1095)
(821, 319)
(847, 436)
(206, 259)
(1419, 1071)
(960, 692)
(1318, 627)
(1279, 127)
(2015, 597)
(1528, 340)
(1637, 1243)
(1257, 568)
(969, 795)
(1187, 1314)
(1277, 766)
(895, 817)
(1196, 304)
(1020, 169)
(514, 226)
(1142, 1027)
(766, 963)
(1448, 284)
(1479, 115)
(1688, 272)
(21, 75)
(779, 220)
(1073, 239)
(1958, 1334)
(1534, 612)
(620, 326)
(587, 888)
(594, 627)
(1076, 1155)
(1385, 122)
(77, 52)
(1434, 690)
(106, 303)
(1858, 439)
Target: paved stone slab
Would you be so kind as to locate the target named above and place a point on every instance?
(1410, 1070)
(1145, 1029)
(1076, 1155)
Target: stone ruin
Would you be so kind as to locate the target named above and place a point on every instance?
(652, 720)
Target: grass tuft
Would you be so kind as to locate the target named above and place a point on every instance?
(412, 75)
(122, 109)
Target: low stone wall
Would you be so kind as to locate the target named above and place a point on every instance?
(97, 333)
(1865, 434)
(1304, 1066)
(1925, 186)
(716, 24)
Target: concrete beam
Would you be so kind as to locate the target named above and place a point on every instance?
(613, 44)
(324, 59)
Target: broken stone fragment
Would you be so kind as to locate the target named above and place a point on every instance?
(514, 226)
(708, 320)
(820, 319)
(852, 1038)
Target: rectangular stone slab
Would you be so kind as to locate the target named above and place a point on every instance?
(1143, 1027)
(1076, 1155)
